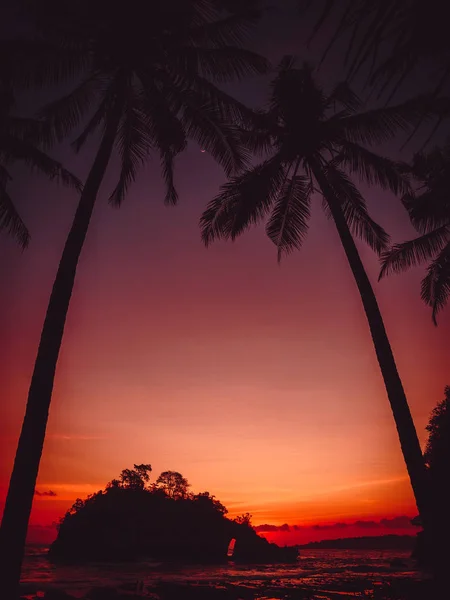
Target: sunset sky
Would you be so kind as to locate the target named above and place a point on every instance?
(257, 381)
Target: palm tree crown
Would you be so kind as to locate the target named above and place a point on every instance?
(155, 67)
(17, 136)
(313, 140)
(429, 211)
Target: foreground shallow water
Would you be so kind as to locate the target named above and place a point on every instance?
(325, 573)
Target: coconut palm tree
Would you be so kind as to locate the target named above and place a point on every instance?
(429, 211)
(142, 79)
(16, 146)
(313, 144)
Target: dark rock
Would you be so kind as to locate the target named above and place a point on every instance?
(55, 594)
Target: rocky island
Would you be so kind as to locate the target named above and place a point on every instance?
(132, 520)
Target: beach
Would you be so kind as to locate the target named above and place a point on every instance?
(318, 574)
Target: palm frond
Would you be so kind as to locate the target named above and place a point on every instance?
(257, 141)
(10, 219)
(39, 63)
(221, 65)
(288, 224)
(342, 95)
(31, 130)
(98, 119)
(35, 159)
(229, 108)
(436, 284)
(167, 159)
(203, 123)
(134, 144)
(243, 201)
(372, 168)
(62, 116)
(382, 124)
(414, 252)
(231, 30)
(355, 211)
(430, 209)
(166, 130)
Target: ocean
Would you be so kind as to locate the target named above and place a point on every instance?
(337, 571)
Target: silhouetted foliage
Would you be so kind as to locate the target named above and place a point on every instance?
(126, 522)
(437, 458)
(19, 138)
(135, 478)
(173, 484)
(245, 519)
(388, 40)
(437, 451)
(429, 211)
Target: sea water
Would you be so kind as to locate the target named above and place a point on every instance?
(318, 569)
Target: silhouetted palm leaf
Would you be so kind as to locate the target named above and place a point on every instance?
(222, 64)
(289, 221)
(382, 124)
(18, 140)
(355, 210)
(414, 252)
(243, 201)
(390, 39)
(64, 115)
(372, 168)
(134, 142)
(429, 211)
(10, 219)
(436, 285)
(342, 95)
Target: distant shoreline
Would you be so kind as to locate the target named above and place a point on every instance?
(379, 542)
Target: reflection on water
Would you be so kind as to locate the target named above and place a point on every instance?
(315, 568)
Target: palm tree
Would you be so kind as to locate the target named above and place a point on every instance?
(143, 79)
(16, 146)
(313, 144)
(429, 211)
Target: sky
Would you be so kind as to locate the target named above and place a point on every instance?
(256, 380)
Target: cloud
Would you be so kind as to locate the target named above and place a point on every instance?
(401, 522)
(397, 523)
(49, 493)
(266, 527)
(332, 526)
(367, 524)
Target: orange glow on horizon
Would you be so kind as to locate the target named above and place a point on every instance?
(258, 382)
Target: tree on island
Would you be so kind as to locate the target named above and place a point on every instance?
(134, 479)
(244, 519)
(173, 484)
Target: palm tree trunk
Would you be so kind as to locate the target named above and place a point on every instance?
(407, 434)
(29, 450)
